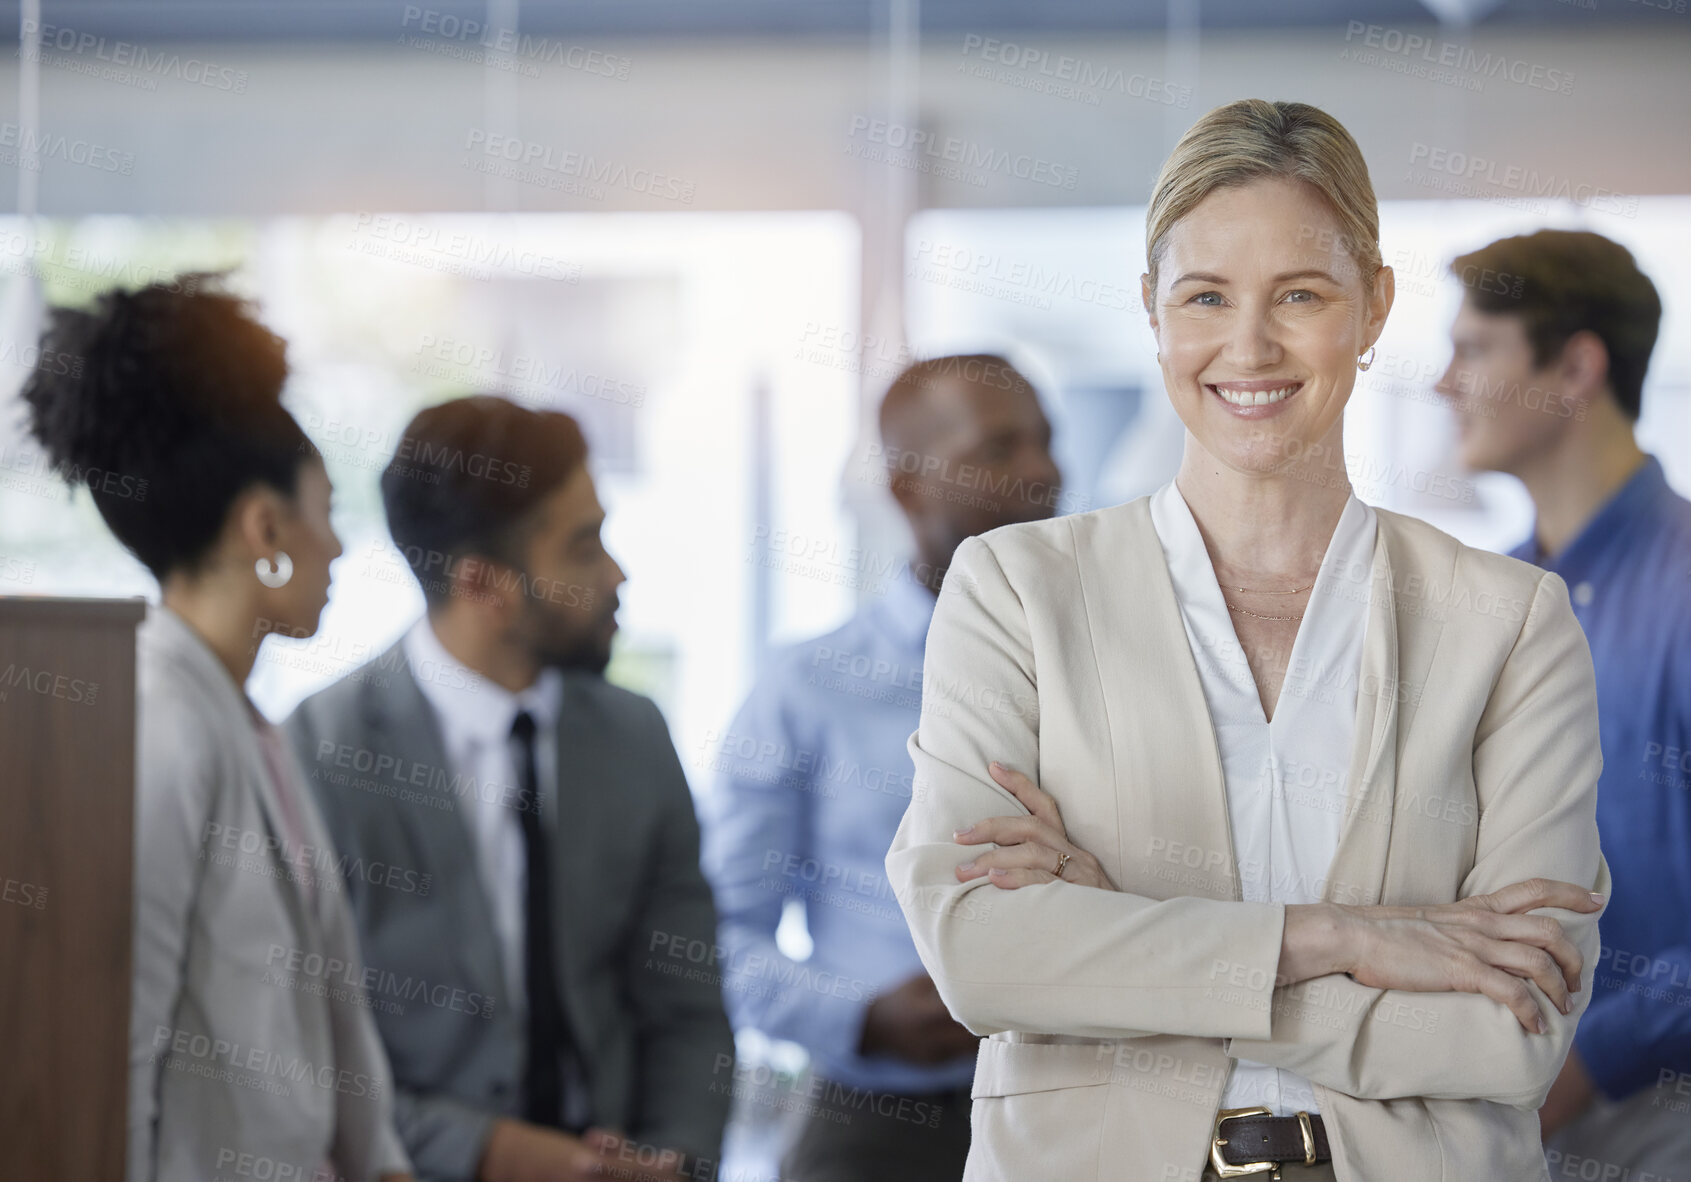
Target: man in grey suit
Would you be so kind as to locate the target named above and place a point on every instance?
(535, 990)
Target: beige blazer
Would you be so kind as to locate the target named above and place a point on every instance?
(1113, 1018)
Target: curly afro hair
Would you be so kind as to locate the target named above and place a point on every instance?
(166, 403)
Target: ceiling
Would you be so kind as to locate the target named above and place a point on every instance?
(364, 20)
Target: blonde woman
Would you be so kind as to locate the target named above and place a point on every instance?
(1253, 825)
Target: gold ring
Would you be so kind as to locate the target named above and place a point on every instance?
(1061, 862)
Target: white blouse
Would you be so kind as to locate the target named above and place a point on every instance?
(1287, 780)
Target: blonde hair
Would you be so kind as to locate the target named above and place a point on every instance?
(1252, 138)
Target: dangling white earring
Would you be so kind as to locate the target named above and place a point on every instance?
(1363, 365)
(277, 577)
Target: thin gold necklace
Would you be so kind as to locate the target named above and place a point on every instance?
(1254, 615)
(1259, 615)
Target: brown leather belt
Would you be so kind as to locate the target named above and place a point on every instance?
(1255, 1141)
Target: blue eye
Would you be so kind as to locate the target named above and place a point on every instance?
(1309, 295)
(1206, 295)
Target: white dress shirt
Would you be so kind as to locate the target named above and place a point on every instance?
(475, 717)
(1287, 779)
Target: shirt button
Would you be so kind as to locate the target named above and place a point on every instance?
(1583, 593)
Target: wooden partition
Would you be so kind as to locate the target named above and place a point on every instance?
(67, 791)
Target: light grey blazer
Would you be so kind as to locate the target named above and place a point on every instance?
(245, 1051)
(636, 924)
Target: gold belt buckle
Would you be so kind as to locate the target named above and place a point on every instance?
(1225, 1169)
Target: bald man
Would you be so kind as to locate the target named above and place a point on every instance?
(814, 778)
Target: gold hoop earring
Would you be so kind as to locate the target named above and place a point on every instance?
(1363, 365)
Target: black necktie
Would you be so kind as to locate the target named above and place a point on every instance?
(542, 1085)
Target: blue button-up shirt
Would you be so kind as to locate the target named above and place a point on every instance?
(1629, 576)
(813, 777)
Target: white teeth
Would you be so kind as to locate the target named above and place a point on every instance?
(1255, 398)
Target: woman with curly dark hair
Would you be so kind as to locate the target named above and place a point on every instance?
(250, 1037)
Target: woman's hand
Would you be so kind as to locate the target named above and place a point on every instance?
(1485, 944)
(1030, 848)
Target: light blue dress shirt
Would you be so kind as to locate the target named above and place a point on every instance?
(811, 781)
(1629, 577)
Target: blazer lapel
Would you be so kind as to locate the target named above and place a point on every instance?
(182, 645)
(582, 807)
(594, 829)
(1359, 863)
(1171, 797)
(1402, 641)
(401, 722)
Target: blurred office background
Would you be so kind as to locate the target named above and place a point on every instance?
(713, 230)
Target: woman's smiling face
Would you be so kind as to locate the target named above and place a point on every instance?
(1260, 313)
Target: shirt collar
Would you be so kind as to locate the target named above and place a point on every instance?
(906, 611)
(1645, 492)
(1350, 551)
(472, 709)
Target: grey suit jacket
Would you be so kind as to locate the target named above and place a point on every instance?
(631, 904)
(250, 1048)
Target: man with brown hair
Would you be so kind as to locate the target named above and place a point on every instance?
(538, 1008)
(1550, 351)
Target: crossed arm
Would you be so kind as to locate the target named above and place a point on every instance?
(1504, 986)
